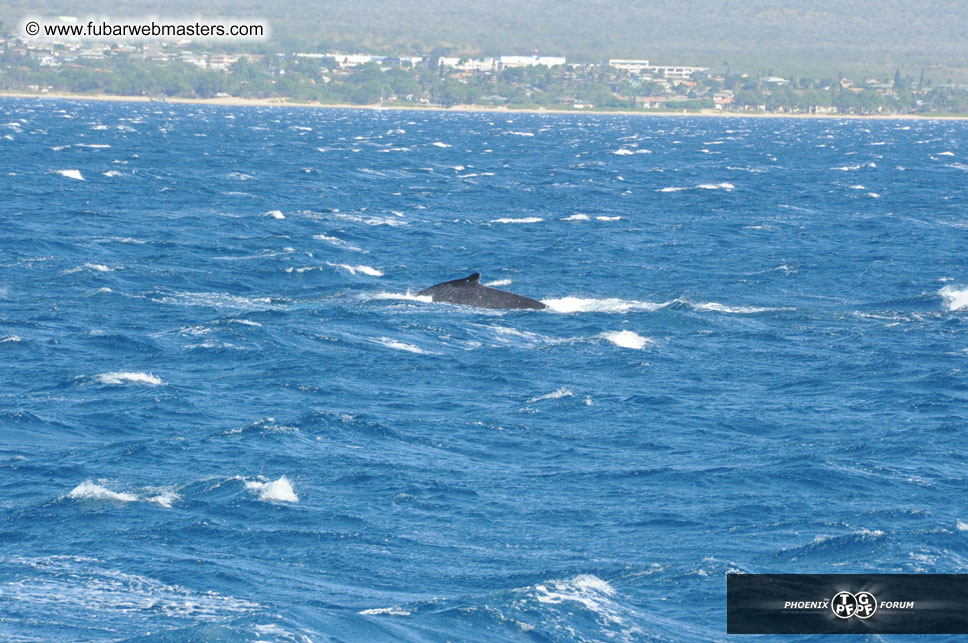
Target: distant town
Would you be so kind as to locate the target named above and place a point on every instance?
(183, 69)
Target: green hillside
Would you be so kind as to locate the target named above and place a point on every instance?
(854, 37)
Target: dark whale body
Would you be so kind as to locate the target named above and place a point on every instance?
(469, 292)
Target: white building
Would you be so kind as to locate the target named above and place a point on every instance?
(221, 62)
(629, 64)
(349, 60)
(508, 62)
(675, 73)
(474, 64)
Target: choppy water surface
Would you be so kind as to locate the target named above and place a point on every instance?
(224, 416)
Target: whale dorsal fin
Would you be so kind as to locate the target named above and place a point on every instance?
(473, 279)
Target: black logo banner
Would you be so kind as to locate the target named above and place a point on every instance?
(847, 603)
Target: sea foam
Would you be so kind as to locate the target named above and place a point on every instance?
(90, 491)
(954, 298)
(274, 491)
(400, 346)
(389, 611)
(521, 220)
(627, 339)
(366, 270)
(591, 592)
(581, 305)
(125, 377)
(554, 395)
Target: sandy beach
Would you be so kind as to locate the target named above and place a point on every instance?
(282, 102)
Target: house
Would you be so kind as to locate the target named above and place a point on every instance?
(723, 99)
(630, 65)
(651, 102)
(679, 73)
(193, 59)
(221, 62)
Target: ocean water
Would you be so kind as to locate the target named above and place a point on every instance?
(224, 416)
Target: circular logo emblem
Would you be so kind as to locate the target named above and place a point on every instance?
(844, 605)
(861, 605)
(866, 604)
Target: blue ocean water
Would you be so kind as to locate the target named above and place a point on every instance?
(224, 416)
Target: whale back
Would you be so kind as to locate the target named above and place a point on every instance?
(469, 291)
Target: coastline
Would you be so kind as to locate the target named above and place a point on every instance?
(282, 102)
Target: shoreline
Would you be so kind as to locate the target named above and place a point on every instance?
(233, 101)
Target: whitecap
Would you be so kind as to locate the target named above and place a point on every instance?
(339, 243)
(71, 174)
(277, 490)
(245, 322)
(956, 299)
(370, 221)
(400, 346)
(521, 133)
(96, 267)
(123, 377)
(391, 611)
(554, 395)
(521, 220)
(671, 189)
(90, 491)
(737, 310)
(11, 338)
(112, 173)
(275, 214)
(439, 144)
(607, 218)
(499, 282)
(623, 152)
(407, 296)
(717, 186)
(582, 305)
(366, 270)
(593, 593)
(163, 498)
(576, 217)
(627, 339)
(222, 301)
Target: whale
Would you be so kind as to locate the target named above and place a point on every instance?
(470, 292)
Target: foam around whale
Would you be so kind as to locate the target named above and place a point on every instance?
(470, 292)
